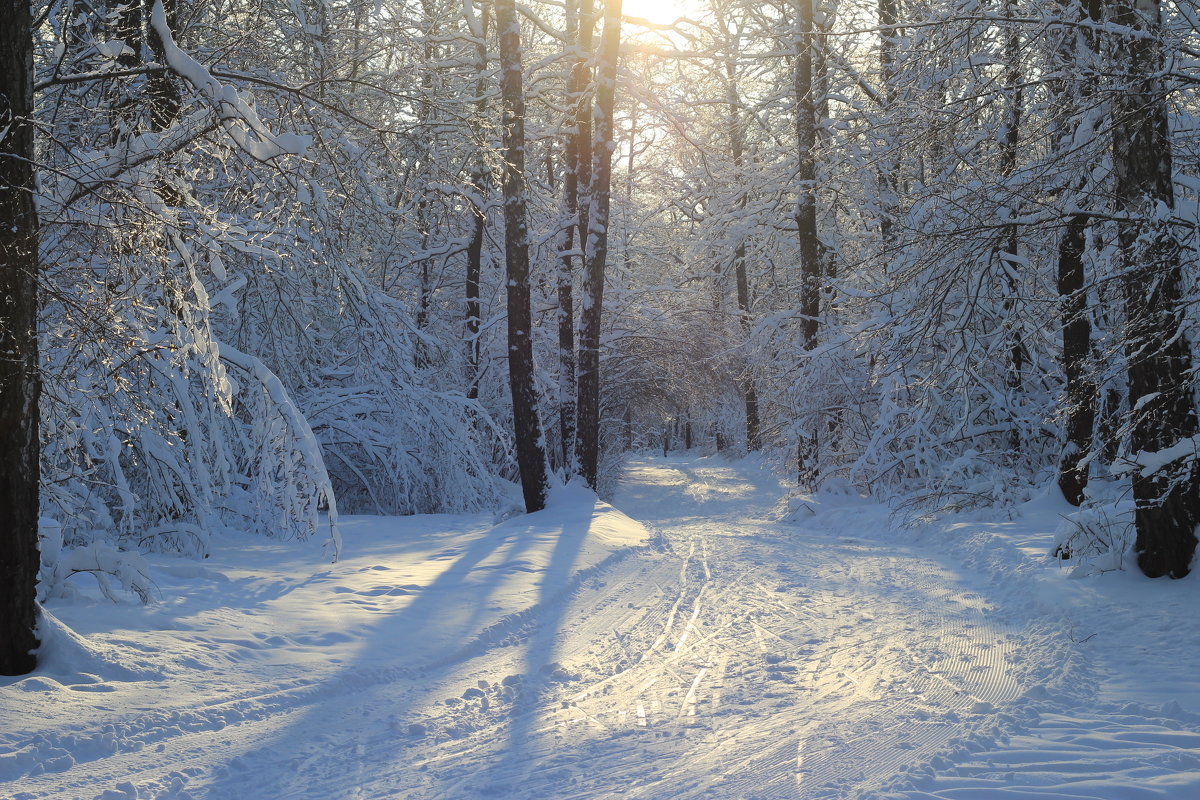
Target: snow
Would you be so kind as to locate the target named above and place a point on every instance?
(717, 637)
(237, 114)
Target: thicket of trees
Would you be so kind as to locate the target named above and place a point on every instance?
(320, 255)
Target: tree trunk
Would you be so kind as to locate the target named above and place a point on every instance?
(811, 271)
(531, 457)
(161, 87)
(1009, 140)
(737, 146)
(889, 171)
(579, 29)
(588, 435)
(1082, 395)
(1160, 363)
(20, 385)
(478, 27)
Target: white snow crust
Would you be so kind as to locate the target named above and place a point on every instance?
(733, 643)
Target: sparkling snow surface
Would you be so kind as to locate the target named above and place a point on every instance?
(738, 652)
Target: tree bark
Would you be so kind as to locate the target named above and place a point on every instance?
(811, 270)
(531, 456)
(20, 384)
(588, 435)
(889, 171)
(579, 31)
(1082, 395)
(161, 87)
(1009, 140)
(1160, 362)
(737, 146)
(478, 27)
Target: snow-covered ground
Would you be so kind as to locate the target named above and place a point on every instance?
(724, 650)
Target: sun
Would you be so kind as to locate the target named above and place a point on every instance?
(658, 12)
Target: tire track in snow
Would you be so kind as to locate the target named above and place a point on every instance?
(743, 659)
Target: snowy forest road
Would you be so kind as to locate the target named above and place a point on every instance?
(736, 657)
(743, 658)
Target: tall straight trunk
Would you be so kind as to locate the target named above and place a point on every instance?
(531, 457)
(889, 170)
(478, 27)
(20, 385)
(596, 251)
(581, 80)
(1009, 141)
(811, 269)
(737, 147)
(579, 28)
(1160, 362)
(1082, 395)
(426, 119)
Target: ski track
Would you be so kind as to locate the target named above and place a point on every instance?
(742, 658)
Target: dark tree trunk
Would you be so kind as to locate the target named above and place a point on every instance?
(811, 270)
(1013, 99)
(1077, 344)
(581, 78)
(478, 27)
(531, 457)
(1160, 363)
(161, 87)
(737, 146)
(471, 295)
(749, 391)
(588, 435)
(579, 29)
(20, 385)
(889, 171)
(1082, 395)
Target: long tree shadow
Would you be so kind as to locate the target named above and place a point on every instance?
(434, 632)
(540, 668)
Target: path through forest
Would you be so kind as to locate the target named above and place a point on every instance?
(737, 656)
(744, 658)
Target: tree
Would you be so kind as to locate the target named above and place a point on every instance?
(531, 455)
(20, 385)
(576, 171)
(596, 251)
(811, 268)
(1079, 53)
(737, 147)
(1167, 502)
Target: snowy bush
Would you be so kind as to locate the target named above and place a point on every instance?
(1097, 539)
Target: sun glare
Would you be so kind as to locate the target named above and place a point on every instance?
(657, 12)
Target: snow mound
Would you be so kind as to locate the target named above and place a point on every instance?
(71, 659)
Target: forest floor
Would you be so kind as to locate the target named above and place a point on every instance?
(718, 647)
